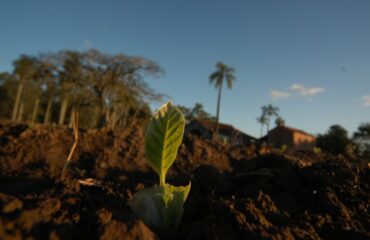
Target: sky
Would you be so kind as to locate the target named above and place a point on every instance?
(309, 58)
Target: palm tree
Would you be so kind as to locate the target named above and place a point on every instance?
(217, 78)
(270, 111)
(263, 120)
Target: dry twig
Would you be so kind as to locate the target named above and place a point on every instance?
(75, 132)
(90, 182)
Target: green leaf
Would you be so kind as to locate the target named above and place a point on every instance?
(163, 138)
(174, 199)
(148, 205)
(160, 207)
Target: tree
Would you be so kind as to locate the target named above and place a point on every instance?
(363, 130)
(334, 141)
(7, 91)
(24, 70)
(119, 76)
(223, 73)
(44, 82)
(279, 121)
(263, 120)
(49, 85)
(72, 79)
(107, 90)
(197, 112)
(187, 113)
(269, 111)
(362, 138)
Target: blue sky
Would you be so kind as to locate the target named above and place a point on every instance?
(309, 58)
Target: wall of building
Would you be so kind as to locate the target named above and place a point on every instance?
(226, 135)
(304, 142)
(196, 128)
(280, 136)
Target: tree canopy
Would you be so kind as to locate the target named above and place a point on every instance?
(363, 130)
(334, 140)
(106, 89)
(196, 112)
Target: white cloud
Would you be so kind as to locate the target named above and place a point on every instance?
(276, 94)
(305, 91)
(366, 100)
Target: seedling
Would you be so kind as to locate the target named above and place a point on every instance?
(161, 207)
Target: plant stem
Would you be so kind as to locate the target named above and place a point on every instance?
(162, 179)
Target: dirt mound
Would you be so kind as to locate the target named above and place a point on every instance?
(237, 193)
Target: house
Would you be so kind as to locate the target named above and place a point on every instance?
(291, 137)
(227, 134)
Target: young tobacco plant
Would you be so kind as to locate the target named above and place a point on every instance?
(161, 207)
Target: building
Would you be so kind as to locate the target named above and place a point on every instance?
(291, 137)
(206, 128)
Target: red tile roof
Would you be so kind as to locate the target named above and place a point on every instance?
(211, 125)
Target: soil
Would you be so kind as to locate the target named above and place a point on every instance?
(237, 193)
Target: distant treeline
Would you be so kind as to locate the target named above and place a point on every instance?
(106, 90)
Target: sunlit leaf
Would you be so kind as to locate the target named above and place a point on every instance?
(161, 207)
(174, 199)
(163, 138)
